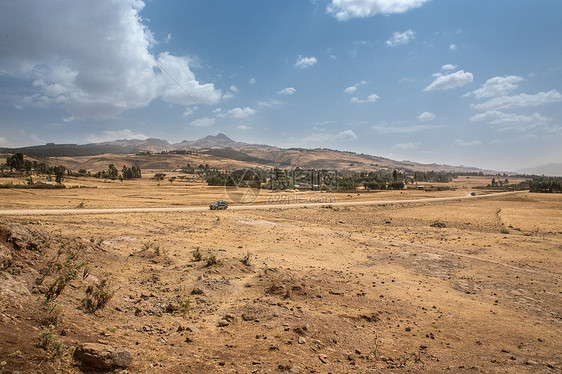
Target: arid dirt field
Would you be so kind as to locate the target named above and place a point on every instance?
(459, 286)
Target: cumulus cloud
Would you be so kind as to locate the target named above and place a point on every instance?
(400, 38)
(346, 135)
(287, 91)
(448, 67)
(241, 112)
(178, 67)
(344, 10)
(407, 146)
(252, 81)
(352, 89)
(497, 86)
(370, 99)
(243, 127)
(202, 122)
(305, 62)
(462, 143)
(426, 116)
(445, 82)
(453, 47)
(91, 58)
(234, 88)
(520, 101)
(107, 136)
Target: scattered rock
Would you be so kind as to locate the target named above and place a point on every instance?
(5, 257)
(302, 340)
(197, 291)
(99, 356)
(24, 238)
(440, 225)
(223, 323)
(229, 317)
(323, 358)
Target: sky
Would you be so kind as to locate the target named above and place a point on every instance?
(474, 83)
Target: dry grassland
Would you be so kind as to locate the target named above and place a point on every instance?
(340, 289)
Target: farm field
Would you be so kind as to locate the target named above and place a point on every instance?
(459, 286)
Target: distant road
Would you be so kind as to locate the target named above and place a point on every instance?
(44, 212)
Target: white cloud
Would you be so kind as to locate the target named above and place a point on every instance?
(495, 117)
(370, 99)
(202, 122)
(252, 81)
(346, 135)
(188, 112)
(96, 70)
(344, 10)
(510, 121)
(453, 47)
(407, 146)
(107, 136)
(269, 103)
(400, 38)
(352, 89)
(287, 91)
(497, 86)
(178, 67)
(243, 127)
(384, 128)
(4, 142)
(445, 82)
(448, 67)
(241, 112)
(520, 101)
(462, 143)
(234, 88)
(228, 95)
(426, 116)
(305, 62)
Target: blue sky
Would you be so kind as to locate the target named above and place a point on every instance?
(477, 83)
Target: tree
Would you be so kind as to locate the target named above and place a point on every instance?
(15, 161)
(159, 176)
(394, 175)
(112, 172)
(59, 174)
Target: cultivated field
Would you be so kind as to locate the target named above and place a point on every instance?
(471, 286)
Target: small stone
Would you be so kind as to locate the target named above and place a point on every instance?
(223, 323)
(302, 340)
(323, 358)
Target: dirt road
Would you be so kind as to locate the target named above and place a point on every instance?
(27, 212)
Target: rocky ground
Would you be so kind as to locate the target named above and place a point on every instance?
(470, 286)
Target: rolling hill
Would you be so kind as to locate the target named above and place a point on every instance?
(219, 151)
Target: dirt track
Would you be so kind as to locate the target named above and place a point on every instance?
(24, 212)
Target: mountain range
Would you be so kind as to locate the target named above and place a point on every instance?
(222, 148)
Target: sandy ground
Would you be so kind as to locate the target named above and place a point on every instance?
(341, 289)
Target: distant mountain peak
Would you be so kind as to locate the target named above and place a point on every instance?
(220, 136)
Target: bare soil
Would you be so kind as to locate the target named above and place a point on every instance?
(341, 289)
